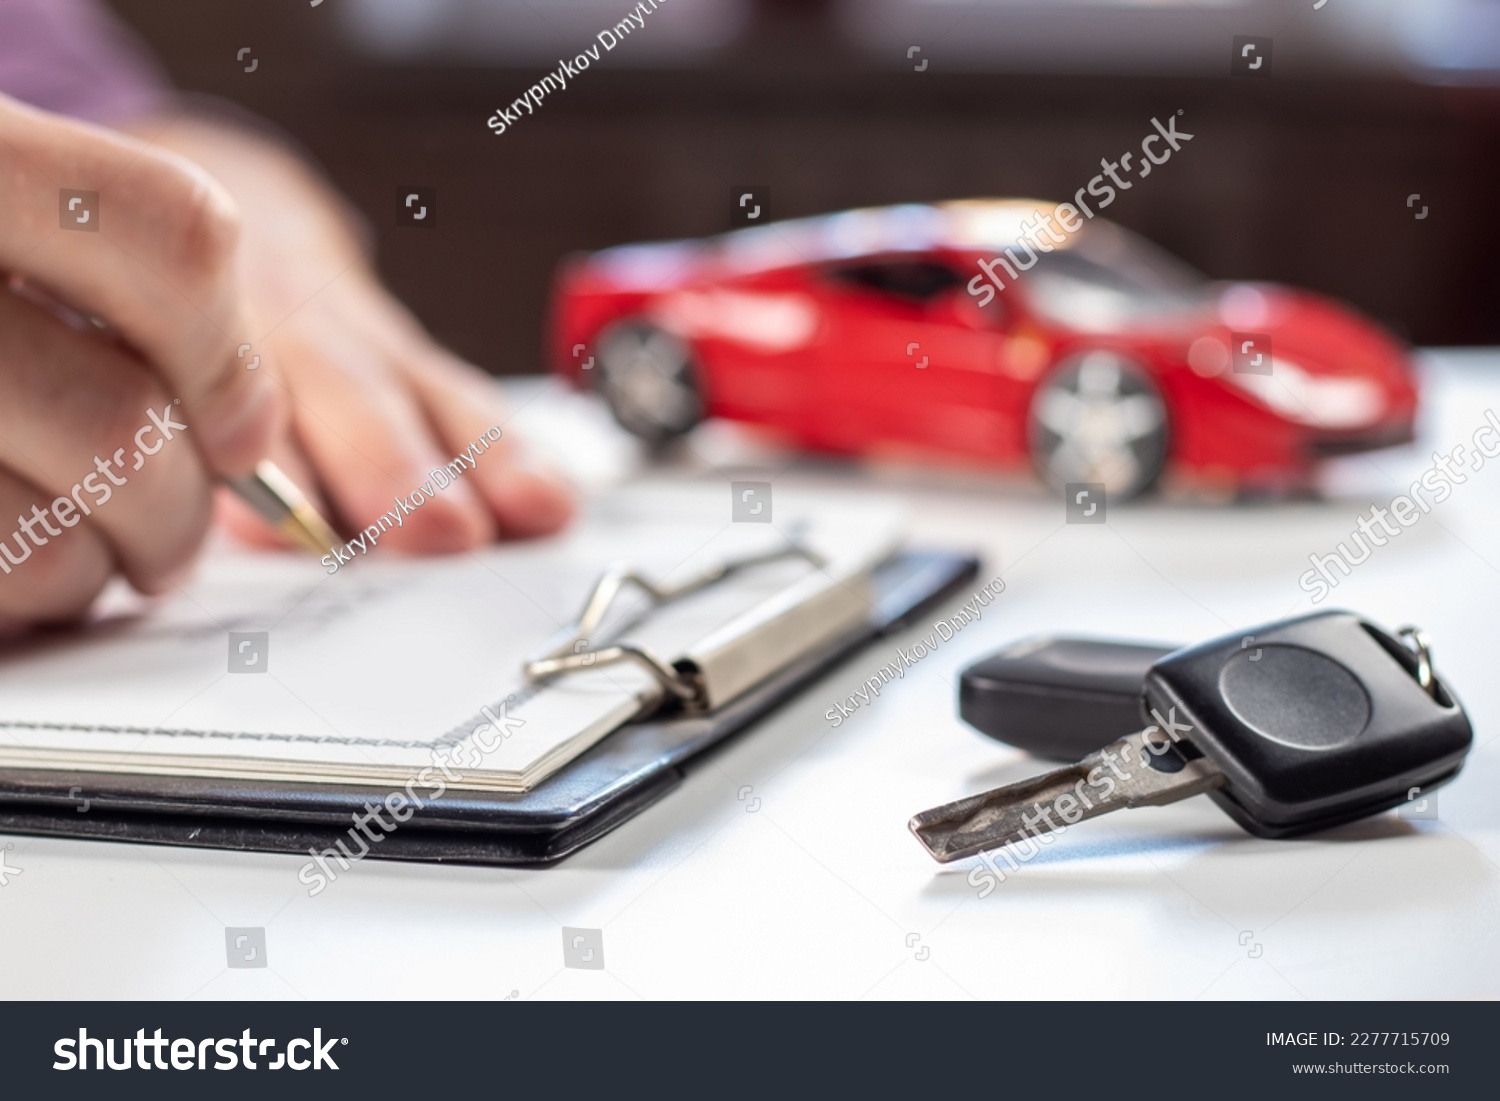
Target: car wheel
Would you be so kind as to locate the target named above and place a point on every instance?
(1100, 418)
(648, 378)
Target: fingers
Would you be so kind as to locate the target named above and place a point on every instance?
(365, 435)
(381, 412)
(45, 578)
(159, 266)
(463, 405)
(96, 441)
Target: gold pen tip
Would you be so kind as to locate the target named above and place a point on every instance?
(281, 503)
(307, 529)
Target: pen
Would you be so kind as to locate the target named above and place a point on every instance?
(277, 500)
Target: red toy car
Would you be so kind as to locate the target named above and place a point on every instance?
(922, 329)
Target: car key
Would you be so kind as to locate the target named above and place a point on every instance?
(1058, 698)
(1306, 724)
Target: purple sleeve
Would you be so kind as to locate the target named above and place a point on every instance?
(73, 57)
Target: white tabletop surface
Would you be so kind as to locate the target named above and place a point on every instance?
(809, 885)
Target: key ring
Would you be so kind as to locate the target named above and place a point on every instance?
(1417, 642)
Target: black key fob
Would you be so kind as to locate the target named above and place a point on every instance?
(1059, 698)
(1314, 721)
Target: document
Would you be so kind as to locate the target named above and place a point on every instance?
(267, 668)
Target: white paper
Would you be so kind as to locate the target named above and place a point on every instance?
(368, 670)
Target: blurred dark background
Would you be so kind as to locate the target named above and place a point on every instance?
(1301, 178)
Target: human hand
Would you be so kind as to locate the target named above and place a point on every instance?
(374, 402)
(110, 444)
(176, 277)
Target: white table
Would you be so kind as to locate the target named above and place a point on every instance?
(808, 884)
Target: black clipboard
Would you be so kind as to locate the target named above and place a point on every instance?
(605, 787)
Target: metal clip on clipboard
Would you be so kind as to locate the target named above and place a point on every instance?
(805, 616)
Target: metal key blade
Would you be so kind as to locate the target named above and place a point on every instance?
(1122, 777)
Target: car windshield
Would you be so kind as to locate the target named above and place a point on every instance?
(1110, 279)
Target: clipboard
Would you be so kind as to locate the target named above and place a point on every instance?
(595, 793)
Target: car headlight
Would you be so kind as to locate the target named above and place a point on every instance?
(1310, 399)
